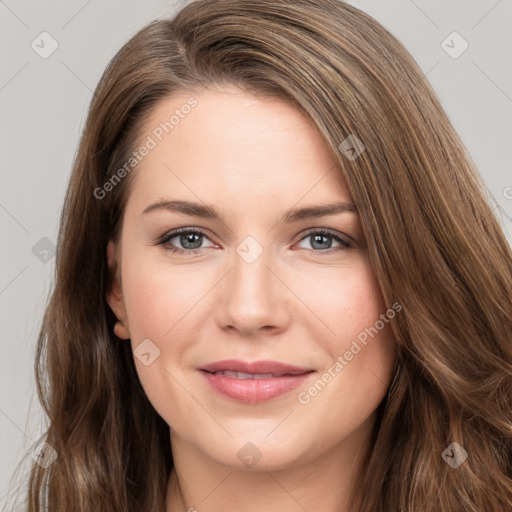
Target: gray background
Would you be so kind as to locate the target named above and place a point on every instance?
(43, 102)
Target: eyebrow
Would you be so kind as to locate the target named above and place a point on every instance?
(206, 211)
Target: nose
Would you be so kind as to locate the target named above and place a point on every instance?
(253, 297)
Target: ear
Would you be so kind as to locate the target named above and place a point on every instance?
(114, 295)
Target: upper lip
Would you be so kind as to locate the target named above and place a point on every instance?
(255, 367)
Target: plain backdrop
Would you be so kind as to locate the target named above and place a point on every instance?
(53, 54)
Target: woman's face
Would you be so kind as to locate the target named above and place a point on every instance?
(264, 283)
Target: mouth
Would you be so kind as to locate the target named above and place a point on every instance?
(254, 382)
(246, 376)
(265, 367)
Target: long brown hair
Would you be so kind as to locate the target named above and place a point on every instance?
(434, 244)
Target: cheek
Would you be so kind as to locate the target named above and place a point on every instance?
(360, 346)
(364, 340)
(157, 299)
(347, 394)
(158, 296)
(342, 301)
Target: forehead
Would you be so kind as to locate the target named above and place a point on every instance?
(234, 144)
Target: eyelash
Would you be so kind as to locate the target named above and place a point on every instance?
(163, 240)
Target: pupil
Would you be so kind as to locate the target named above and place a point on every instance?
(317, 239)
(188, 238)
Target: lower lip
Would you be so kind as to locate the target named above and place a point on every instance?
(254, 390)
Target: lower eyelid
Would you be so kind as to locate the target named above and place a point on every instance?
(343, 243)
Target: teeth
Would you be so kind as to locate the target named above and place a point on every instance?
(242, 375)
(245, 376)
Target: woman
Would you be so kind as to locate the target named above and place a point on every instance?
(256, 372)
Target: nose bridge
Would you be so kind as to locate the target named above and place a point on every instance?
(250, 272)
(251, 297)
(251, 282)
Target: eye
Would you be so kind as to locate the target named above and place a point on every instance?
(321, 241)
(190, 239)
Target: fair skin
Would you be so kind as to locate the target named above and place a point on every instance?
(252, 160)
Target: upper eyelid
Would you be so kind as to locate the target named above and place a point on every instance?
(179, 231)
(304, 234)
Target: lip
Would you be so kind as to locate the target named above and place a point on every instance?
(255, 390)
(264, 366)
